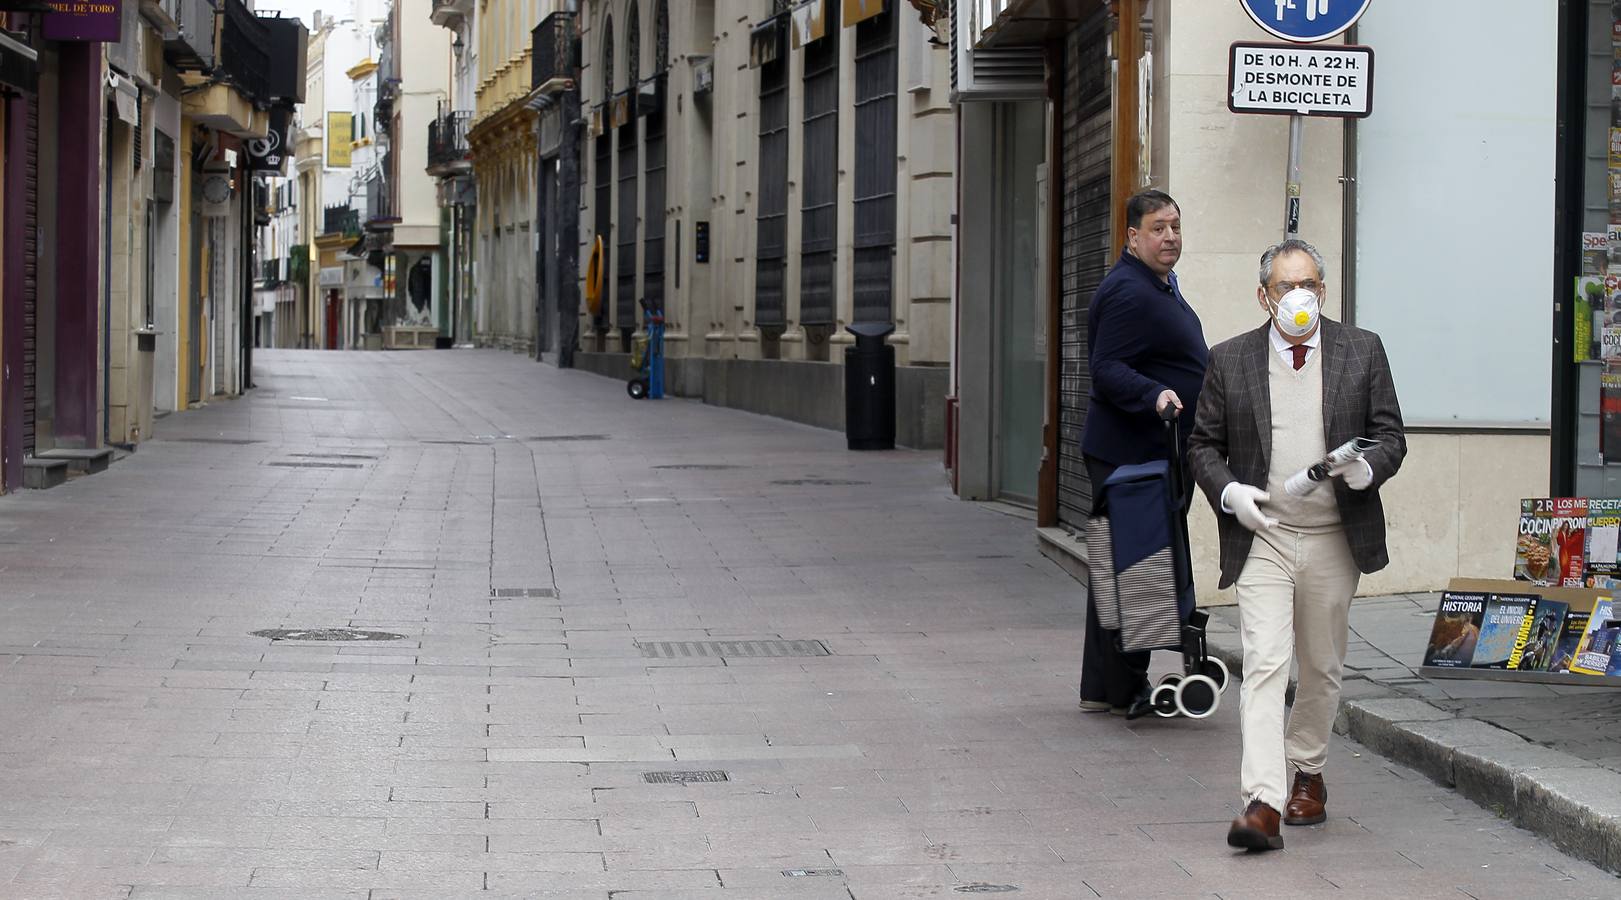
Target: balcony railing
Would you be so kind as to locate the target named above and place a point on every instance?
(341, 220)
(244, 50)
(379, 203)
(270, 271)
(447, 143)
(556, 53)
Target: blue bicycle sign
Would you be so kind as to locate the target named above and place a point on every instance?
(1305, 21)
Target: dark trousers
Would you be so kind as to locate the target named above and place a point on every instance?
(1107, 673)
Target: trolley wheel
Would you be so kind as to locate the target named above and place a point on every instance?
(1197, 696)
(636, 388)
(1170, 678)
(1216, 671)
(1164, 700)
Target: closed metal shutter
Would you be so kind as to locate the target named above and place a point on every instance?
(31, 251)
(771, 216)
(820, 213)
(653, 221)
(604, 217)
(625, 301)
(876, 110)
(1087, 149)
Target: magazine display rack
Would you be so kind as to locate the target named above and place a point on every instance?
(1509, 630)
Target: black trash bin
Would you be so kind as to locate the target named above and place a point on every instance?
(869, 388)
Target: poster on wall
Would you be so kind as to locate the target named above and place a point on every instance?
(340, 138)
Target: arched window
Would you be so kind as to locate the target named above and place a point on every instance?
(633, 46)
(661, 49)
(607, 58)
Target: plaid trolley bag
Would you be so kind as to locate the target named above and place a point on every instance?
(1142, 581)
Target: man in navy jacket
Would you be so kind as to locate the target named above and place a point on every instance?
(1146, 350)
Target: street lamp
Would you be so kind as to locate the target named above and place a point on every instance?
(457, 46)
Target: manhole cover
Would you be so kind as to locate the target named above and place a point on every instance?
(737, 649)
(684, 777)
(506, 593)
(235, 442)
(698, 467)
(567, 437)
(314, 465)
(985, 889)
(812, 873)
(818, 482)
(326, 634)
(331, 456)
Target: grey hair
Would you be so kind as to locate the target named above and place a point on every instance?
(1292, 245)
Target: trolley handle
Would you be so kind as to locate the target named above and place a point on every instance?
(1173, 444)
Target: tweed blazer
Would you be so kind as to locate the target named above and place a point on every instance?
(1232, 433)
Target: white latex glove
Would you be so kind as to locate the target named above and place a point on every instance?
(1357, 473)
(1167, 397)
(1244, 500)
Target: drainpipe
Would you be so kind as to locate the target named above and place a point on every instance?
(107, 287)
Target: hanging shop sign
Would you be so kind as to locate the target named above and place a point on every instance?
(1289, 80)
(765, 42)
(83, 20)
(340, 138)
(267, 154)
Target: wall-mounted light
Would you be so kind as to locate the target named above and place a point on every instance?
(457, 46)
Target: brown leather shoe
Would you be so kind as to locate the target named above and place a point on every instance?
(1306, 800)
(1256, 829)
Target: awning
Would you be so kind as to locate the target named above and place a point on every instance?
(810, 22)
(861, 10)
(765, 42)
(19, 63)
(1010, 23)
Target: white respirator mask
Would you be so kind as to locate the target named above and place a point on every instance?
(1297, 312)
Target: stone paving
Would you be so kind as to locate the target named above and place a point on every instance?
(532, 535)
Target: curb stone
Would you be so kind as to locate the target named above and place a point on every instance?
(1571, 802)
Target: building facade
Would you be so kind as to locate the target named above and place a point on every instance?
(766, 174)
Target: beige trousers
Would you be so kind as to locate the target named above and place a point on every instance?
(1294, 596)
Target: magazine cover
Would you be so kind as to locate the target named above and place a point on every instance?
(1589, 293)
(1456, 630)
(1604, 518)
(1570, 635)
(1499, 628)
(1553, 532)
(1595, 252)
(1539, 634)
(1592, 656)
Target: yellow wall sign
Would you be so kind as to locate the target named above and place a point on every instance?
(340, 134)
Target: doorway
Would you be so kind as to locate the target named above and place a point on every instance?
(1020, 345)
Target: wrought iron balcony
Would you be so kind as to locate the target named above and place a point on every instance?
(448, 152)
(270, 271)
(379, 201)
(245, 50)
(556, 54)
(341, 220)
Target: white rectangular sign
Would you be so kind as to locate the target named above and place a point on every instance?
(1288, 79)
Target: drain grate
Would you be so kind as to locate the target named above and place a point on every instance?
(234, 442)
(985, 889)
(567, 437)
(510, 593)
(326, 634)
(685, 777)
(812, 873)
(331, 456)
(819, 482)
(699, 467)
(736, 649)
(456, 443)
(315, 465)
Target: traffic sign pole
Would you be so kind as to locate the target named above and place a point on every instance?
(1291, 213)
(1329, 84)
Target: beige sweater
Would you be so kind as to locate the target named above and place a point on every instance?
(1297, 442)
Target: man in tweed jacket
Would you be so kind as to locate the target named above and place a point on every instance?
(1275, 401)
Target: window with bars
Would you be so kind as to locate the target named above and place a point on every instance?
(876, 110)
(819, 215)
